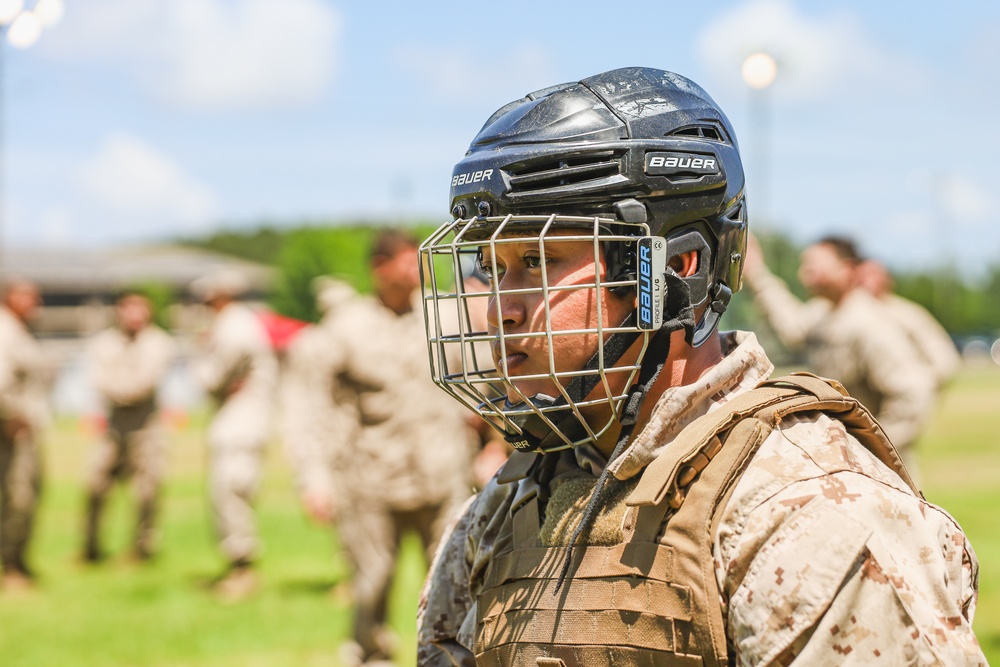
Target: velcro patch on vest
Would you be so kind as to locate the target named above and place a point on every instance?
(566, 506)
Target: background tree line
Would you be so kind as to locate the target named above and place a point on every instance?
(964, 306)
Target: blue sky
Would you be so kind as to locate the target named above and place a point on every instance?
(136, 120)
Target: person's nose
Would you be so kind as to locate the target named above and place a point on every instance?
(511, 311)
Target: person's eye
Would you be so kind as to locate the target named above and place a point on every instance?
(485, 266)
(532, 261)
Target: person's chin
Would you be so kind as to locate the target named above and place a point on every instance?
(522, 390)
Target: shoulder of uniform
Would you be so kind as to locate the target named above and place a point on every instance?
(823, 443)
(811, 459)
(359, 309)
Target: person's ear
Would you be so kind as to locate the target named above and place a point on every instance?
(685, 264)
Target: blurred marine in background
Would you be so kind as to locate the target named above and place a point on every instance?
(26, 377)
(932, 342)
(128, 362)
(375, 443)
(848, 335)
(239, 370)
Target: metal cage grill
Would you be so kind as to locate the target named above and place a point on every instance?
(463, 346)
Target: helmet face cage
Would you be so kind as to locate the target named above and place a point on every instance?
(462, 344)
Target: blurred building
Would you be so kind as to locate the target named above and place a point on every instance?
(79, 287)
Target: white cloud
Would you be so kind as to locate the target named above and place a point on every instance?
(452, 74)
(56, 225)
(134, 182)
(210, 54)
(817, 55)
(963, 200)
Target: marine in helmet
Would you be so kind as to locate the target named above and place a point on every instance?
(669, 502)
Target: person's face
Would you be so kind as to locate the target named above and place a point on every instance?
(400, 273)
(823, 273)
(23, 301)
(567, 263)
(875, 278)
(133, 313)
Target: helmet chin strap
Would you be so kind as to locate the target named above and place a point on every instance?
(679, 301)
(535, 432)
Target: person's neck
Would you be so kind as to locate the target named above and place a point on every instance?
(396, 301)
(683, 366)
(838, 299)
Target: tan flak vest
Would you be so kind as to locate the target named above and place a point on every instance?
(653, 599)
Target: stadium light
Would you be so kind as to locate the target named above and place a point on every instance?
(49, 12)
(22, 28)
(25, 30)
(759, 71)
(9, 9)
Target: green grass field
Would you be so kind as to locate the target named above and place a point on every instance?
(121, 614)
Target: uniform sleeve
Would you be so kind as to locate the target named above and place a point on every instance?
(228, 357)
(27, 374)
(790, 318)
(8, 399)
(896, 373)
(934, 343)
(131, 383)
(844, 566)
(446, 615)
(313, 422)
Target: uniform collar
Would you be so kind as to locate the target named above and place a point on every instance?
(745, 365)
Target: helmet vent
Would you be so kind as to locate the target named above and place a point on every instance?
(735, 214)
(568, 174)
(708, 131)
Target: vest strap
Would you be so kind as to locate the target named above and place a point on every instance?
(517, 467)
(659, 583)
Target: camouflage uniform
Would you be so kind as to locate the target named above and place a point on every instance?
(127, 372)
(858, 345)
(822, 555)
(931, 341)
(239, 370)
(366, 423)
(25, 379)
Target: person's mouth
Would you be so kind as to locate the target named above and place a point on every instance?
(511, 361)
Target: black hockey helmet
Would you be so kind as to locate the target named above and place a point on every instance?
(633, 158)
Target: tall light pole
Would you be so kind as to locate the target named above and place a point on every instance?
(20, 28)
(759, 72)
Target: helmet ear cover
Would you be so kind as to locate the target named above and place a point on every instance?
(682, 293)
(693, 241)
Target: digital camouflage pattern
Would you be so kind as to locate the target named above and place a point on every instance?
(26, 376)
(823, 556)
(363, 416)
(931, 341)
(238, 368)
(857, 344)
(26, 373)
(364, 422)
(127, 372)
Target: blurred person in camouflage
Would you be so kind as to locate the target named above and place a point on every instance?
(668, 504)
(375, 444)
(316, 410)
(847, 335)
(26, 376)
(494, 450)
(238, 369)
(128, 362)
(932, 342)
